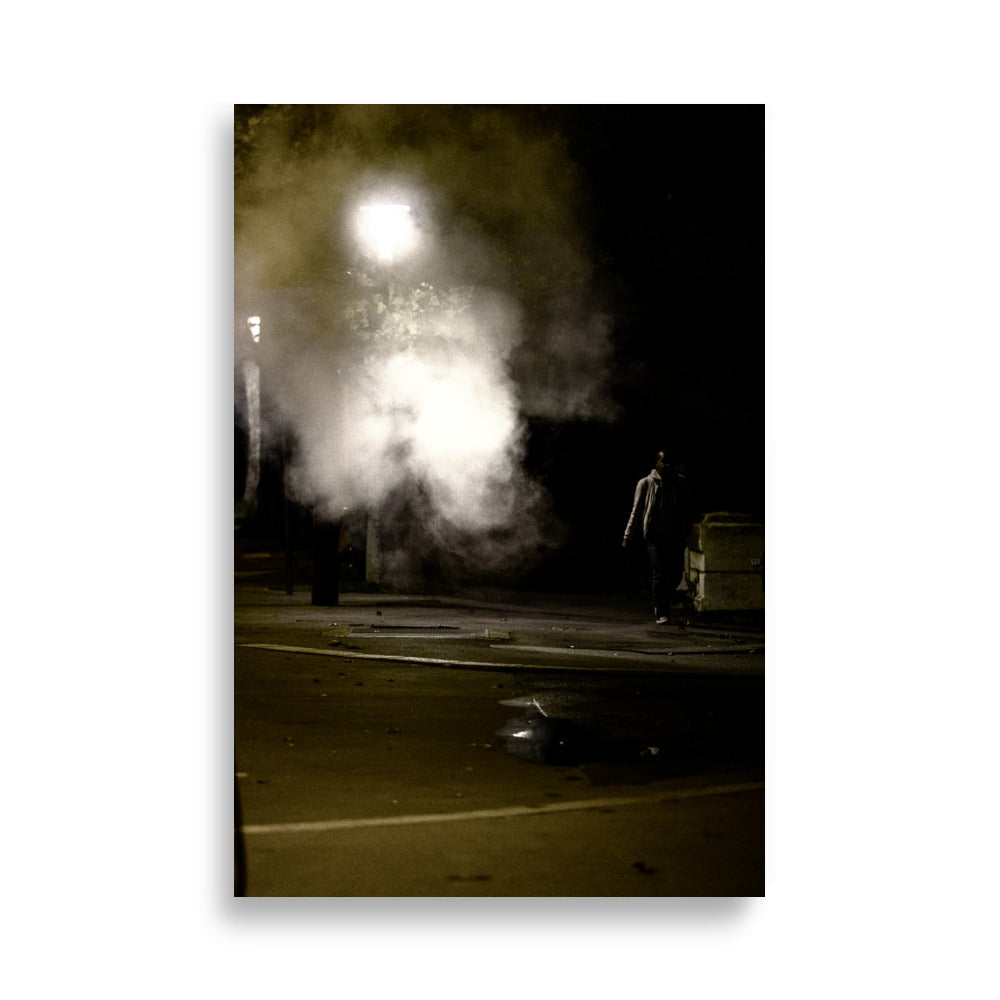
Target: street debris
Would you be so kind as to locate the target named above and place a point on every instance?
(337, 630)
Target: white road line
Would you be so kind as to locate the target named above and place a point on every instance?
(321, 826)
(435, 661)
(636, 655)
(364, 636)
(649, 666)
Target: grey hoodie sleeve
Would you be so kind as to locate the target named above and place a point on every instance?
(637, 505)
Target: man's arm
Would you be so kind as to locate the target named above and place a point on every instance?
(640, 491)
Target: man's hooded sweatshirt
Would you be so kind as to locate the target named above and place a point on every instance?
(663, 503)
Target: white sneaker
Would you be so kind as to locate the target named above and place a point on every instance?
(662, 621)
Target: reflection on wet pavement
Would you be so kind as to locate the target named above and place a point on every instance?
(638, 735)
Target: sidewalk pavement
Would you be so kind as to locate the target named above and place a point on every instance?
(489, 629)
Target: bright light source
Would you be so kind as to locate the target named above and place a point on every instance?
(387, 230)
(254, 323)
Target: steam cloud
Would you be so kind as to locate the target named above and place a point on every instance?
(405, 385)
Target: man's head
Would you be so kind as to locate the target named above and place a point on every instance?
(661, 461)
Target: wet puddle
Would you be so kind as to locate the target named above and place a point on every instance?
(637, 738)
(568, 737)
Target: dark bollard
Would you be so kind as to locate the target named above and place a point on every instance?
(326, 563)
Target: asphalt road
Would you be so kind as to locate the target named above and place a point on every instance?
(405, 747)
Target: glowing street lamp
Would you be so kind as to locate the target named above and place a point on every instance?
(387, 230)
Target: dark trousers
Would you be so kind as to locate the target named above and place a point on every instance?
(666, 560)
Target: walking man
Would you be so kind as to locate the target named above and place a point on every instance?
(661, 501)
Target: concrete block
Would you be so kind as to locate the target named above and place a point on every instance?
(724, 563)
(728, 542)
(726, 591)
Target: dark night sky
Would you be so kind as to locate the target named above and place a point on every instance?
(677, 223)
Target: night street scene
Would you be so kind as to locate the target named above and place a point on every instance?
(498, 392)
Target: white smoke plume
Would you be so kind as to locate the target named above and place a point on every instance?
(405, 382)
